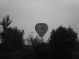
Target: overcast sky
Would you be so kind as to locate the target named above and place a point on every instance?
(26, 14)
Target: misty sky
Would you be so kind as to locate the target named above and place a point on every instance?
(25, 14)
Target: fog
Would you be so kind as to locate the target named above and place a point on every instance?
(25, 14)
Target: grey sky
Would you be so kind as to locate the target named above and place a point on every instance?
(26, 13)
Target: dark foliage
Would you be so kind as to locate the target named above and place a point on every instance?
(6, 22)
(38, 47)
(12, 37)
(62, 42)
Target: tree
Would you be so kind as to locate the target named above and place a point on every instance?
(38, 47)
(35, 42)
(12, 37)
(62, 42)
(6, 22)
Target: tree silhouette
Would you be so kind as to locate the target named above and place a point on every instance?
(38, 48)
(6, 22)
(62, 42)
(12, 37)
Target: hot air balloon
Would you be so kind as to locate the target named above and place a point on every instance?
(41, 29)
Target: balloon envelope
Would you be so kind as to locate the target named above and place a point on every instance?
(41, 29)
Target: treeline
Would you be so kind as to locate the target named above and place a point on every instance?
(62, 44)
